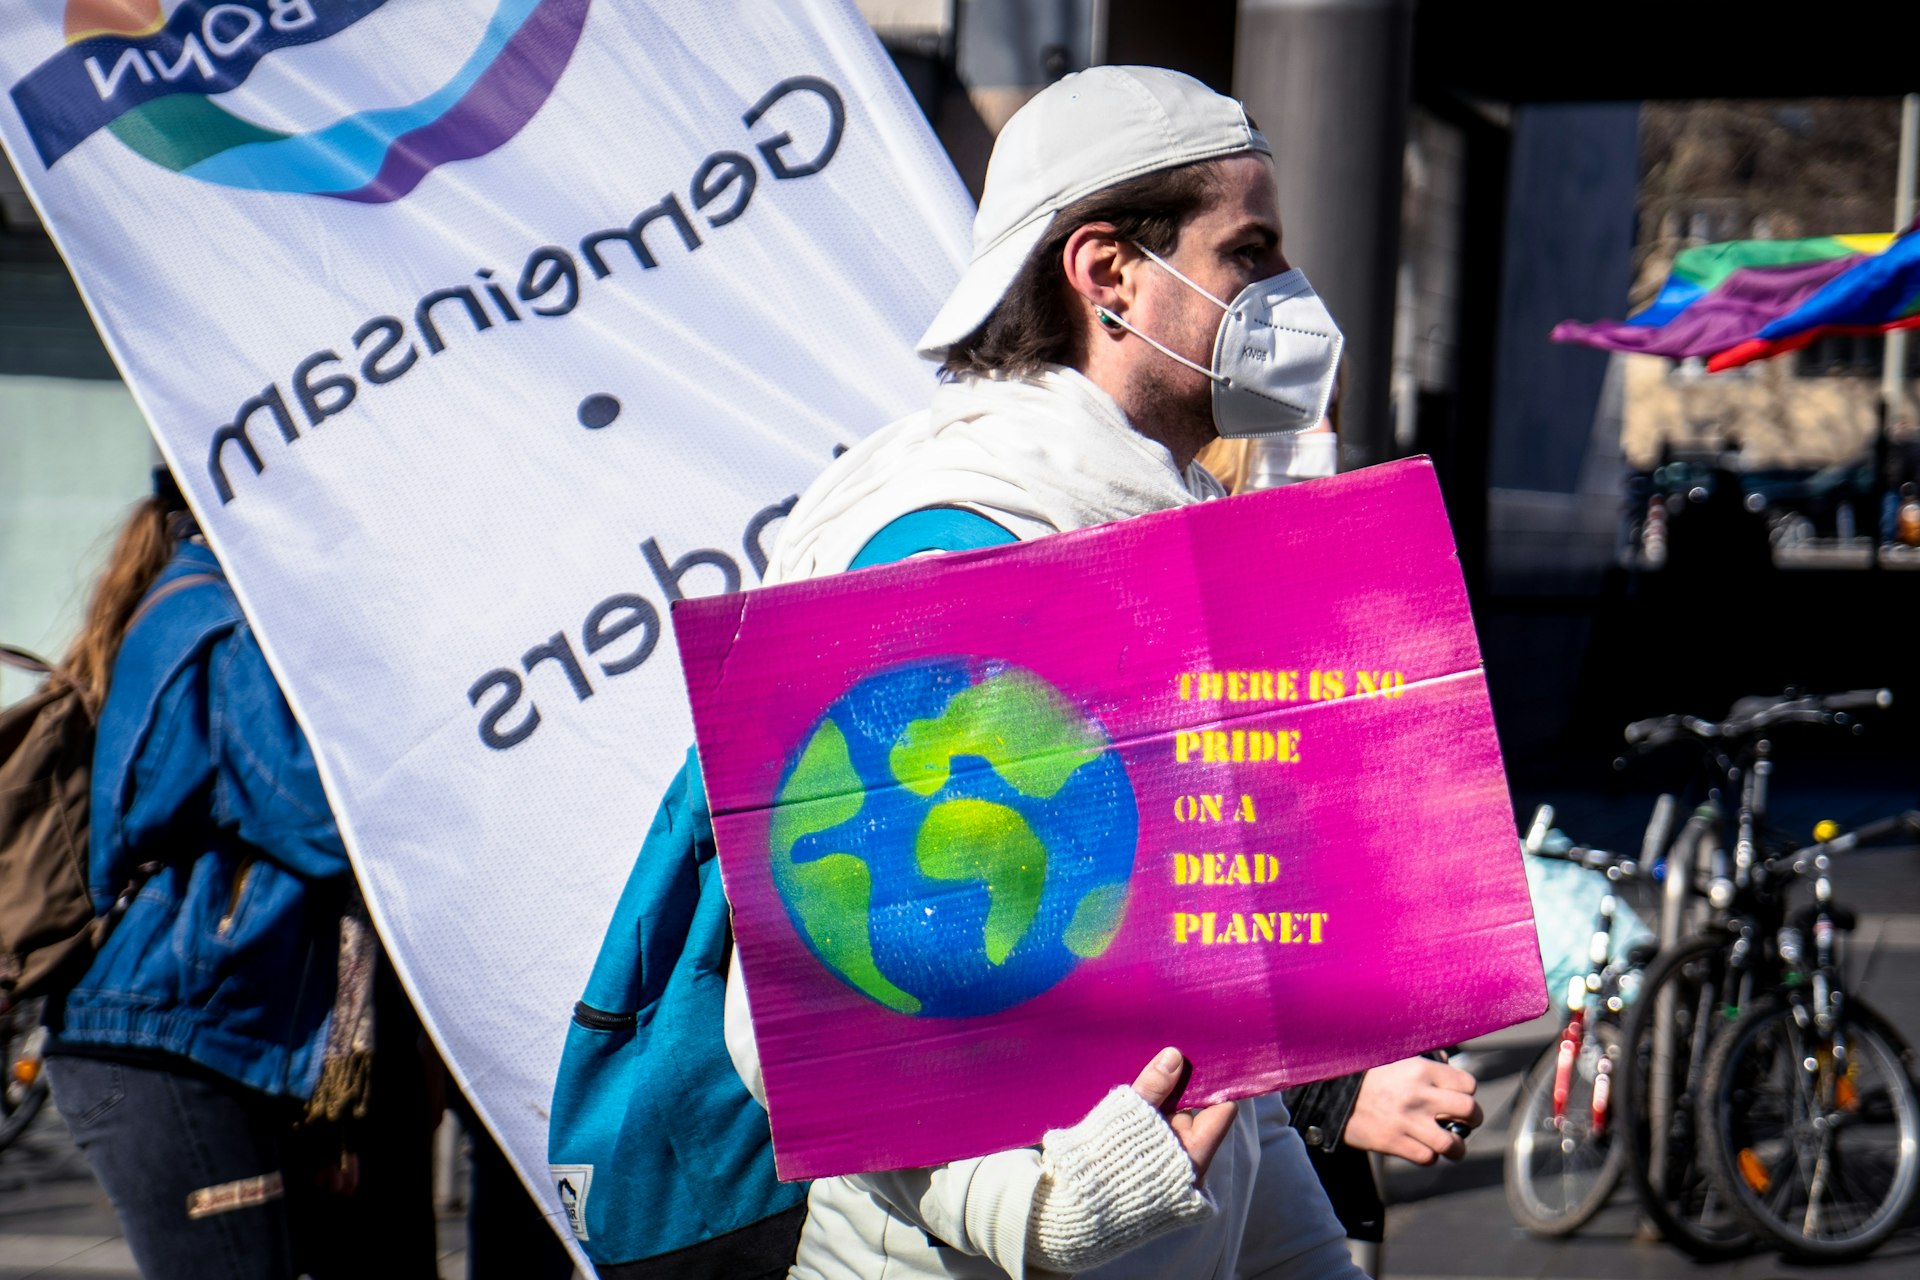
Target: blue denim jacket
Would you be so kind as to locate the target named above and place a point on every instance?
(227, 957)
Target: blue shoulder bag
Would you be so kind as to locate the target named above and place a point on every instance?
(661, 1157)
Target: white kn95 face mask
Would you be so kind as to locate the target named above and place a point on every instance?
(1274, 356)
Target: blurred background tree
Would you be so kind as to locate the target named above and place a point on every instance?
(1743, 169)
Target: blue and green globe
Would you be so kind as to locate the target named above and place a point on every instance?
(953, 836)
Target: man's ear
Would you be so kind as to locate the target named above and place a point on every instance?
(1101, 266)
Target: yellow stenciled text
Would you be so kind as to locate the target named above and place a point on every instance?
(1315, 685)
(1390, 683)
(1211, 809)
(1210, 928)
(1225, 868)
(1236, 746)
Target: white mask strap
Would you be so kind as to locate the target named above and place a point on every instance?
(1107, 317)
(1179, 275)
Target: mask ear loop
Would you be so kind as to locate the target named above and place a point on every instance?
(1111, 320)
(1108, 318)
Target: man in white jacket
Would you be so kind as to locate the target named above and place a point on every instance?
(1127, 301)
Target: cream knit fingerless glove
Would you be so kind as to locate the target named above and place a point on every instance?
(1114, 1181)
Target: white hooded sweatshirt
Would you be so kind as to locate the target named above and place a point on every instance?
(1036, 456)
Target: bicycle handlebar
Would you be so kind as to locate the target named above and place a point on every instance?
(1750, 715)
(1660, 730)
(1909, 822)
(1617, 866)
(1860, 700)
(1801, 859)
(1543, 841)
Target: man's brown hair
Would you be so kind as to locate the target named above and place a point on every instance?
(1034, 324)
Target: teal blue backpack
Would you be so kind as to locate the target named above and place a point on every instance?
(661, 1157)
(663, 1160)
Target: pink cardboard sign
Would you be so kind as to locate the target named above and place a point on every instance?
(998, 825)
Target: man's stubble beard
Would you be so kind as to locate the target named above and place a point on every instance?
(1176, 402)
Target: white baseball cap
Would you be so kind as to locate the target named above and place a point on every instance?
(1083, 133)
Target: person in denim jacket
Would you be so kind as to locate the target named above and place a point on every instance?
(181, 1058)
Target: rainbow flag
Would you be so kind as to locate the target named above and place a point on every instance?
(1719, 296)
(1872, 296)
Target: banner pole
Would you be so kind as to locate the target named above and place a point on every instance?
(1893, 363)
(1893, 372)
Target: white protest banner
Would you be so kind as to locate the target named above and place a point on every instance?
(477, 332)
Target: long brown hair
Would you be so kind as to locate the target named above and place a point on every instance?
(145, 543)
(1036, 323)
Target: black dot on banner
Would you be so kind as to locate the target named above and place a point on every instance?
(598, 411)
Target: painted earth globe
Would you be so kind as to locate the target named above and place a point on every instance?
(953, 836)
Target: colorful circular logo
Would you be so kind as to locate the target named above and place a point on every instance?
(953, 837)
(170, 69)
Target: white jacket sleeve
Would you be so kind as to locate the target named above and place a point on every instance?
(736, 1023)
(980, 1206)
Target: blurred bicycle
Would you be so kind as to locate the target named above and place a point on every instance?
(23, 1089)
(1563, 1159)
(1810, 1124)
(1736, 872)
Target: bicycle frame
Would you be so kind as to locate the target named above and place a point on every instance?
(1597, 988)
(1817, 998)
(1584, 997)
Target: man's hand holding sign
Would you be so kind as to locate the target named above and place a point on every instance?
(1200, 1132)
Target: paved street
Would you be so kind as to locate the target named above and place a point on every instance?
(1449, 1223)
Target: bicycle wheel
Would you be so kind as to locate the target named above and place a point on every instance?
(1673, 1018)
(1818, 1150)
(1560, 1173)
(23, 1089)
